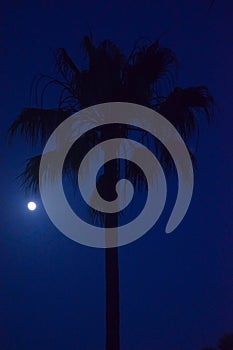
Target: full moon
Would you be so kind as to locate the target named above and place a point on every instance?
(31, 205)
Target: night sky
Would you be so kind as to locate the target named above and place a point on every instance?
(176, 290)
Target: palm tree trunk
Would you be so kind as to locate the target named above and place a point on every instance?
(111, 263)
(112, 300)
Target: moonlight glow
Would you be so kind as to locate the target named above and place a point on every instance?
(31, 205)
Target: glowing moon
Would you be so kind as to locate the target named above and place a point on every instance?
(31, 205)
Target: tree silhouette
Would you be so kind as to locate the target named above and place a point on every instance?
(146, 77)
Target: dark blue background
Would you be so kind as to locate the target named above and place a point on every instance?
(176, 290)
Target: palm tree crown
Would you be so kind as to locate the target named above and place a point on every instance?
(147, 77)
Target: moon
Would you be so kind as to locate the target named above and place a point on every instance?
(31, 206)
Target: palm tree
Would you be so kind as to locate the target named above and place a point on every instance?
(146, 77)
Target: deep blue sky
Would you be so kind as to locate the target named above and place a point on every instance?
(176, 290)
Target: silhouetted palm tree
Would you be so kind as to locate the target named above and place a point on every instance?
(146, 77)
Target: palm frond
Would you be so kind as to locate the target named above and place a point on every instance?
(76, 154)
(183, 106)
(29, 177)
(105, 53)
(40, 85)
(37, 123)
(89, 48)
(146, 66)
(67, 68)
(102, 81)
(152, 61)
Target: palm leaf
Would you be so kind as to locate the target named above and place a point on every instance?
(106, 53)
(146, 67)
(153, 61)
(37, 123)
(183, 106)
(102, 81)
(29, 178)
(68, 70)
